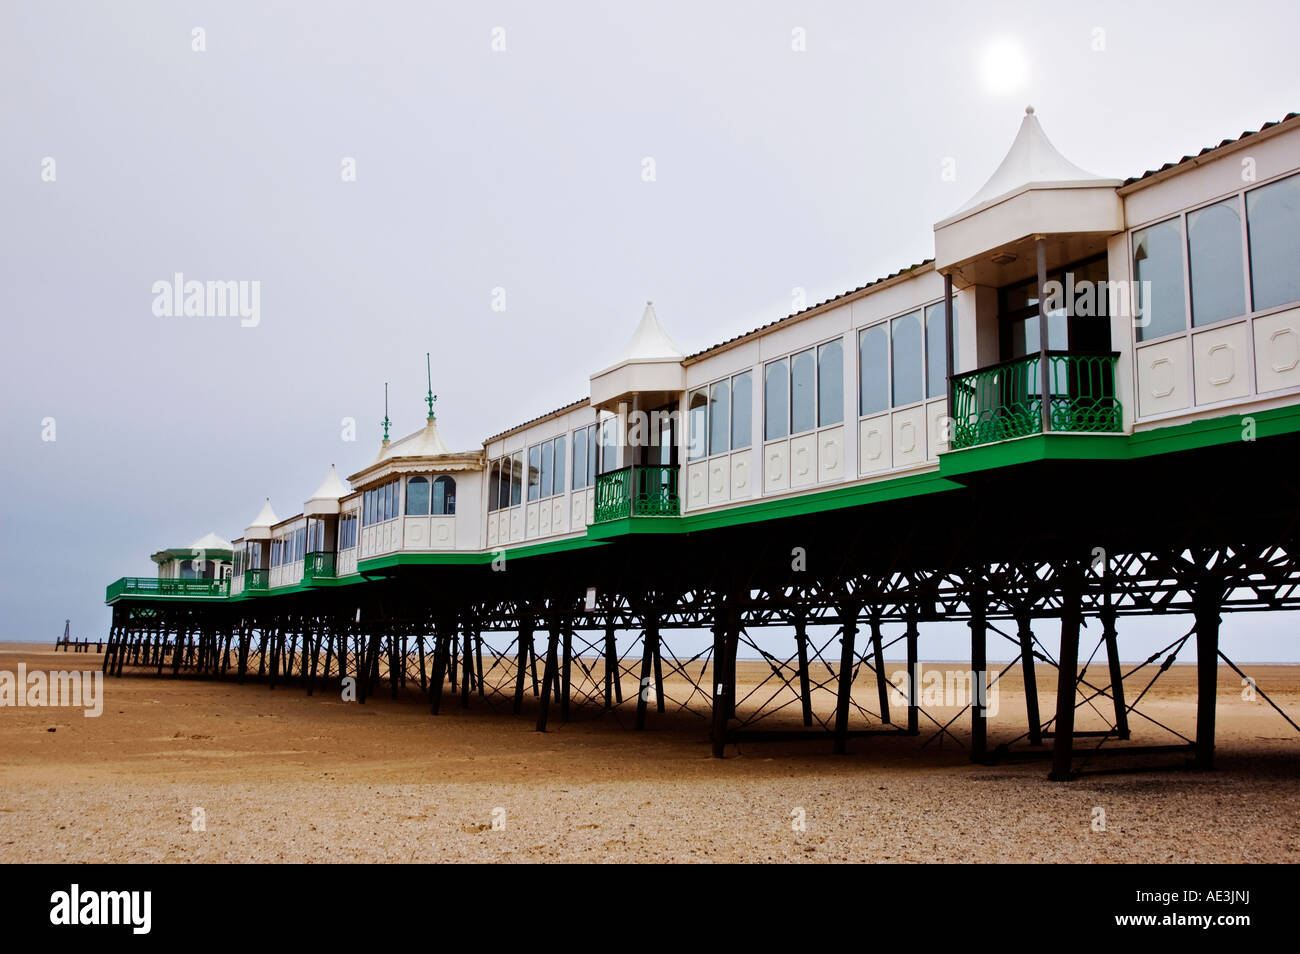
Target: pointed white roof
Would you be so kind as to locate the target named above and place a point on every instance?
(424, 443)
(266, 517)
(1031, 160)
(331, 487)
(649, 342)
(210, 541)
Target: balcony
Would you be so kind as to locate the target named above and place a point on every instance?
(649, 491)
(257, 581)
(319, 565)
(1005, 401)
(146, 586)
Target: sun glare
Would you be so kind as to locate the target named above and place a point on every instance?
(1003, 66)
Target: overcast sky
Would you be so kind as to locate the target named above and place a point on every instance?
(479, 169)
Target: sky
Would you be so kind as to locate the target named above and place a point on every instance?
(500, 154)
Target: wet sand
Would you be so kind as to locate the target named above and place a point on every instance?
(276, 775)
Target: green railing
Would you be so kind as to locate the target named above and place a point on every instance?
(151, 587)
(637, 492)
(318, 566)
(257, 580)
(1005, 400)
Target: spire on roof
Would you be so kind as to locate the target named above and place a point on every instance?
(1031, 159)
(649, 342)
(432, 397)
(385, 421)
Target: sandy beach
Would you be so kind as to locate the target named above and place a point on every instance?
(275, 775)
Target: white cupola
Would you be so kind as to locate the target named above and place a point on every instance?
(650, 364)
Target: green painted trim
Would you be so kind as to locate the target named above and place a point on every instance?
(1193, 435)
(476, 558)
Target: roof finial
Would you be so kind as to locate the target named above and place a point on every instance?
(431, 397)
(386, 421)
(1029, 110)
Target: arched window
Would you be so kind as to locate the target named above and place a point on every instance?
(417, 496)
(444, 496)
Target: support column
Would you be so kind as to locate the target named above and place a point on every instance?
(801, 644)
(882, 684)
(979, 725)
(467, 664)
(1035, 720)
(724, 688)
(849, 615)
(650, 652)
(566, 672)
(525, 644)
(551, 674)
(913, 678)
(613, 684)
(1208, 595)
(1067, 676)
(1116, 672)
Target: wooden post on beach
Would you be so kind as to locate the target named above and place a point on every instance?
(979, 680)
(849, 617)
(1067, 676)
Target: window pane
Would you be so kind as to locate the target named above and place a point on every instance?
(803, 399)
(742, 410)
(697, 415)
(503, 500)
(561, 453)
(776, 400)
(719, 416)
(494, 485)
(1158, 259)
(873, 370)
(936, 355)
(516, 478)
(1214, 260)
(608, 449)
(907, 359)
(830, 383)
(534, 470)
(417, 496)
(444, 496)
(579, 458)
(548, 475)
(591, 455)
(1273, 218)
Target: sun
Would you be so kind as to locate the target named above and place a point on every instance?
(1003, 66)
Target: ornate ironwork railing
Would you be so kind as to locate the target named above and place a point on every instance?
(319, 565)
(151, 586)
(649, 491)
(259, 580)
(1005, 400)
